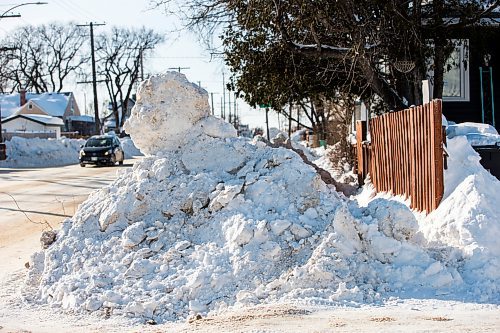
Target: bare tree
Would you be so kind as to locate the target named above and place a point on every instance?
(42, 58)
(64, 44)
(119, 61)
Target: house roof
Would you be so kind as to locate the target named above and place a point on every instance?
(37, 118)
(54, 104)
(82, 118)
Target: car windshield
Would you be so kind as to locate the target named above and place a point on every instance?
(94, 142)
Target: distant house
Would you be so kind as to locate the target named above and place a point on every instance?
(33, 125)
(84, 125)
(58, 105)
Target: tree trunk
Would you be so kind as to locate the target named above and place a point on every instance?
(439, 62)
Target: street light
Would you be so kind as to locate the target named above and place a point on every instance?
(22, 4)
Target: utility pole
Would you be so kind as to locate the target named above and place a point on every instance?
(267, 123)
(223, 96)
(229, 106)
(94, 78)
(222, 108)
(212, 99)
(141, 58)
(142, 65)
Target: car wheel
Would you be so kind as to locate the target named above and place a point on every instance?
(82, 165)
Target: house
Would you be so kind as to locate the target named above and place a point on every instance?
(59, 105)
(471, 91)
(472, 83)
(32, 125)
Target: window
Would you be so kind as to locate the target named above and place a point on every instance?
(456, 75)
(30, 106)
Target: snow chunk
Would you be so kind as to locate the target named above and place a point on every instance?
(167, 107)
(133, 235)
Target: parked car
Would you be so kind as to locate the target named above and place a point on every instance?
(479, 135)
(102, 150)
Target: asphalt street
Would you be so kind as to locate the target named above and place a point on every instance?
(33, 200)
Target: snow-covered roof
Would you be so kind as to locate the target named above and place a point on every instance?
(46, 120)
(54, 104)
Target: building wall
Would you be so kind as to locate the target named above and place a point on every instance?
(25, 109)
(76, 109)
(482, 41)
(25, 125)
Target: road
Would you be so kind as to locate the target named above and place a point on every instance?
(32, 199)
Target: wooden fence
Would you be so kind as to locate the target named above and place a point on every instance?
(405, 155)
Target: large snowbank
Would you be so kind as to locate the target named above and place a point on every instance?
(211, 221)
(27, 153)
(467, 220)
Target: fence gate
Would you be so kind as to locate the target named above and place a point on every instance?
(405, 155)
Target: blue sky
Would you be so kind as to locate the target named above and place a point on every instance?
(181, 48)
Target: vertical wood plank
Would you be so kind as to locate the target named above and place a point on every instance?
(427, 156)
(413, 157)
(418, 164)
(432, 156)
(438, 152)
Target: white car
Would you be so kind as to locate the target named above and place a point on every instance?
(478, 135)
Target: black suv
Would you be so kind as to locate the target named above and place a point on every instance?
(100, 150)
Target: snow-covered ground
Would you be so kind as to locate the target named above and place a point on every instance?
(43, 153)
(209, 222)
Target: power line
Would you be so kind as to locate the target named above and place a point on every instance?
(82, 10)
(78, 13)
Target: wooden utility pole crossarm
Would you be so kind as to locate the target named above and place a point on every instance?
(178, 68)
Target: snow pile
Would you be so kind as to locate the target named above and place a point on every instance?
(211, 221)
(468, 217)
(129, 148)
(27, 153)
